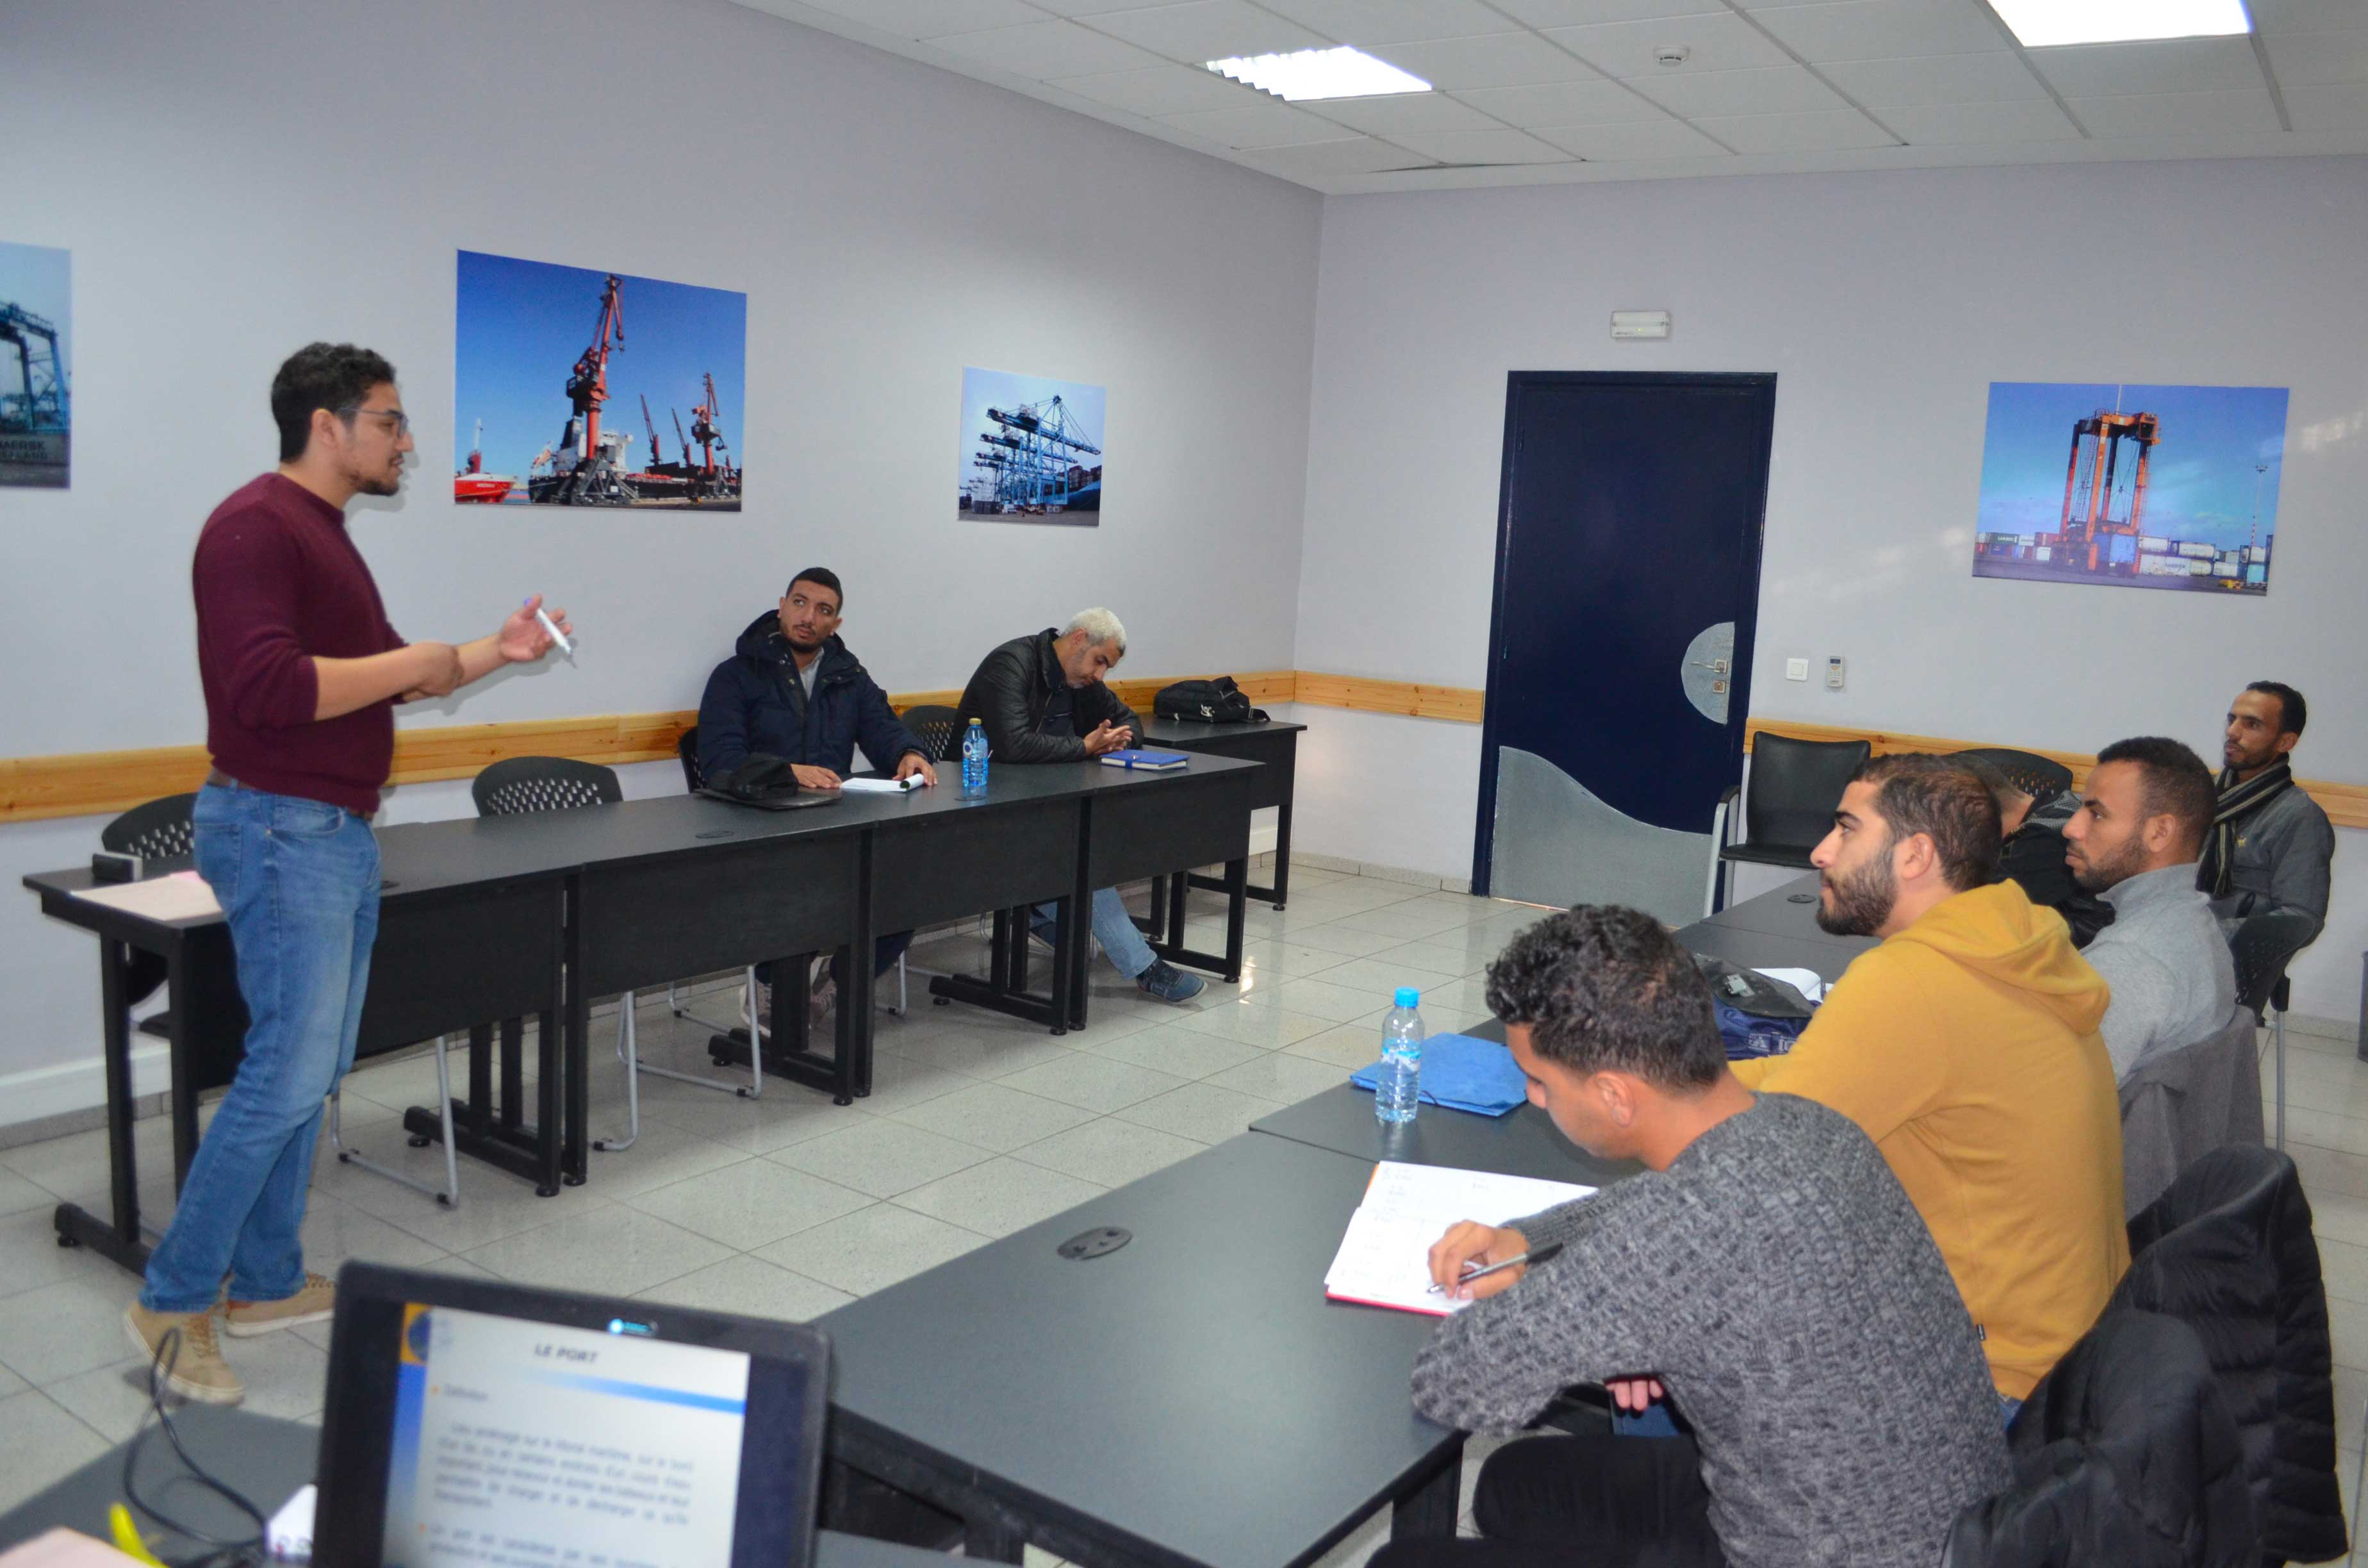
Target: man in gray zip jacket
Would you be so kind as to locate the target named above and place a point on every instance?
(1766, 1268)
(2270, 846)
(2143, 815)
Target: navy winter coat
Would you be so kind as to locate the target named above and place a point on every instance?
(755, 702)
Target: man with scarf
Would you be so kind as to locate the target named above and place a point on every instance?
(2270, 845)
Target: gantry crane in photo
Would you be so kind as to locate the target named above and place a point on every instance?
(585, 465)
(1032, 461)
(41, 401)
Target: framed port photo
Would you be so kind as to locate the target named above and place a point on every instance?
(1030, 451)
(36, 349)
(2123, 485)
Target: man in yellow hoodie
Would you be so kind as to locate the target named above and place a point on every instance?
(1965, 1045)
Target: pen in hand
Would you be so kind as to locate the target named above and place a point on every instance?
(1538, 1256)
(550, 629)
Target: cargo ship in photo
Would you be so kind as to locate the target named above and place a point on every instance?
(472, 483)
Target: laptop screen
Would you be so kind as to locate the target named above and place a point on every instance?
(522, 1441)
(471, 1423)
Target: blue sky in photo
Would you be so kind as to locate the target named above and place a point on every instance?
(982, 389)
(37, 278)
(2199, 484)
(520, 326)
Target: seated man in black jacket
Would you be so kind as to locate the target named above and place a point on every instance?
(791, 690)
(1041, 698)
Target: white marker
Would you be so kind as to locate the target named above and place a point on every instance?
(553, 627)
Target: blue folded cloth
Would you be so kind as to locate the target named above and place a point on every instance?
(1462, 1073)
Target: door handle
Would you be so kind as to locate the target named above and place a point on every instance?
(1715, 666)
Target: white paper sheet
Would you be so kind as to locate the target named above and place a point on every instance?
(1384, 1259)
(1808, 981)
(882, 786)
(184, 896)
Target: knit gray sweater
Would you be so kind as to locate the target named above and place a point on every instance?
(1778, 1282)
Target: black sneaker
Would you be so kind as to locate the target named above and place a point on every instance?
(1167, 983)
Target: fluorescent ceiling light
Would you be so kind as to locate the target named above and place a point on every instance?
(1305, 73)
(2041, 24)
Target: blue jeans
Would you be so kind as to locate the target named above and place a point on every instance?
(298, 881)
(1114, 929)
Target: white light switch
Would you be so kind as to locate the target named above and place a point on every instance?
(1797, 669)
(1834, 673)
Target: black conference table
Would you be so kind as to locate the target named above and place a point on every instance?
(1192, 1399)
(1273, 744)
(487, 918)
(266, 1460)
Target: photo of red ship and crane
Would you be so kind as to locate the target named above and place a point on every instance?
(549, 363)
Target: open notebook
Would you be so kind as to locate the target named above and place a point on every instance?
(1384, 1261)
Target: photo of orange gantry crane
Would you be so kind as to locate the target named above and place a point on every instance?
(526, 363)
(2164, 487)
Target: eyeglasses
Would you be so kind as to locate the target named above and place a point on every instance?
(402, 421)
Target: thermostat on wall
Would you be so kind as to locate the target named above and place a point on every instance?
(1639, 323)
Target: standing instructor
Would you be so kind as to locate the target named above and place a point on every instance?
(301, 671)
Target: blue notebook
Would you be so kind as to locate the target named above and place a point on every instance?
(1151, 760)
(1462, 1074)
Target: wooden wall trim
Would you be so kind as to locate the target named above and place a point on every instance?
(1416, 699)
(2346, 805)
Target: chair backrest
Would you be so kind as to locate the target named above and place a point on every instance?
(2035, 776)
(686, 751)
(155, 830)
(2228, 1249)
(2262, 947)
(940, 730)
(2179, 1106)
(1796, 785)
(521, 784)
(2124, 1454)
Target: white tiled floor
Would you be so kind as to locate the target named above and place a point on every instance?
(978, 1126)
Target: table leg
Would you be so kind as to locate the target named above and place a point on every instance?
(116, 1238)
(551, 1032)
(573, 1057)
(1430, 1508)
(1237, 888)
(1280, 889)
(479, 1118)
(185, 1076)
(513, 1074)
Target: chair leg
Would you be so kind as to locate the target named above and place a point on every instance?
(629, 1052)
(674, 1004)
(755, 1087)
(2278, 1032)
(450, 1194)
(902, 1001)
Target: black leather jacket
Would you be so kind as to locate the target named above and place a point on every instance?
(1010, 691)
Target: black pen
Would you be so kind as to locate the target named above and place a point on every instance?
(1540, 1255)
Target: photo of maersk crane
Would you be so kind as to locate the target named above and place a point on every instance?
(1032, 461)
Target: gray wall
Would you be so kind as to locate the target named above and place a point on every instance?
(1886, 303)
(235, 179)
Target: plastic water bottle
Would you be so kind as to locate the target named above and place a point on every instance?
(1396, 1099)
(974, 761)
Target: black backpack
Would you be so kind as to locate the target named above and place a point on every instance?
(1217, 701)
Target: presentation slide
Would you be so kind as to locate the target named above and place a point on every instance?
(527, 1445)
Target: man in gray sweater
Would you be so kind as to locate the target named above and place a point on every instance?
(1766, 1270)
(2144, 813)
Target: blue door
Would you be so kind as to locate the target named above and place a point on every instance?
(1620, 654)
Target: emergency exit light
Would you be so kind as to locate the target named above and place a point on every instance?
(1639, 323)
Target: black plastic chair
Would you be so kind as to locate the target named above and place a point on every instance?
(155, 830)
(1795, 784)
(686, 752)
(517, 785)
(2262, 947)
(2037, 776)
(940, 731)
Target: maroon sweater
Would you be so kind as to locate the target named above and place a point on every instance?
(279, 583)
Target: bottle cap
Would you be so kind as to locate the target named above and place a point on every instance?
(1408, 996)
(978, 720)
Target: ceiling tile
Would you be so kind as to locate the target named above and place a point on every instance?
(1207, 29)
(1481, 147)
(1882, 30)
(1097, 7)
(1355, 155)
(1163, 89)
(2328, 109)
(2177, 65)
(1403, 111)
(1390, 21)
(1498, 59)
(1253, 125)
(1723, 43)
(1637, 139)
(1597, 102)
(1586, 13)
(1936, 79)
(2319, 60)
(932, 19)
(1042, 50)
(1971, 125)
(2272, 17)
(2177, 114)
(1821, 130)
(1781, 90)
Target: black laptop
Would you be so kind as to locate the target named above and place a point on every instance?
(474, 1422)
